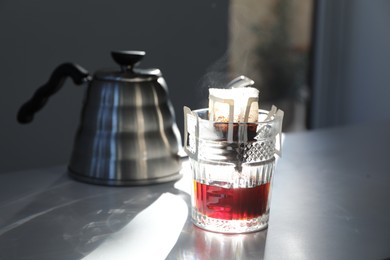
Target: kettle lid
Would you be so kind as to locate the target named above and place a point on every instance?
(128, 60)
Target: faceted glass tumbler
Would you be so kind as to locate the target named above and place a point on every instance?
(232, 171)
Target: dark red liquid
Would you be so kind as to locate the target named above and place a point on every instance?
(223, 127)
(231, 203)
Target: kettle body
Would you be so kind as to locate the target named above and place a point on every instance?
(127, 133)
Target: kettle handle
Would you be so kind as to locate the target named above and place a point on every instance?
(56, 81)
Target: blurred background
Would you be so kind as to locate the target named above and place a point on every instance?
(325, 63)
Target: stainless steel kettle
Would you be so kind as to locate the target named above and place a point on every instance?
(127, 134)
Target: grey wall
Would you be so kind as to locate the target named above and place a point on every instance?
(182, 38)
(352, 67)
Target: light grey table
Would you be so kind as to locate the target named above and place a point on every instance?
(330, 200)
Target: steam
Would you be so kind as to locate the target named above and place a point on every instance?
(219, 74)
(216, 75)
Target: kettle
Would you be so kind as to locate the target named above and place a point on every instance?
(128, 133)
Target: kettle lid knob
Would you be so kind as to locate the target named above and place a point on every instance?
(127, 59)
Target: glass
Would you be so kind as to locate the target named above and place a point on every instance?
(232, 166)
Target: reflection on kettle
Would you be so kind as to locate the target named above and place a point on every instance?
(127, 134)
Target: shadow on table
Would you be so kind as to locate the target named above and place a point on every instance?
(69, 219)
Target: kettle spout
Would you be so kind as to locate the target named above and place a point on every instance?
(240, 82)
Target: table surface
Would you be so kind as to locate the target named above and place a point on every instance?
(330, 200)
